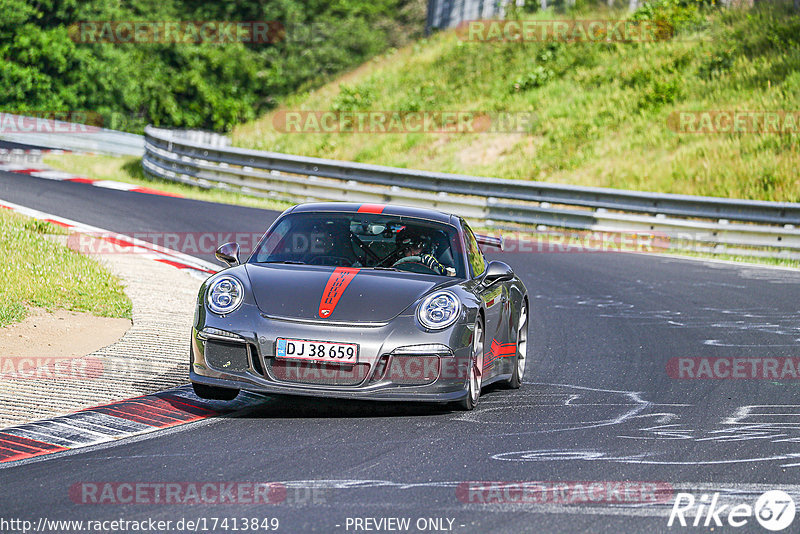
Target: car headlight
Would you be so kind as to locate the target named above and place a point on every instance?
(225, 295)
(439, 310)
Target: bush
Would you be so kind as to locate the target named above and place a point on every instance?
(680, 15)
(536, 78)
(660, 92)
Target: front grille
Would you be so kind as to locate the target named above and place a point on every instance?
(317, 373)
(226, 356)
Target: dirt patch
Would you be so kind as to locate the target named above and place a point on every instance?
(485, 151)
(60, 333)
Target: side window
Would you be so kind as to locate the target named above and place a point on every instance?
(474, 254)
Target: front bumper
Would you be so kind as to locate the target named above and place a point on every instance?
(238, 352)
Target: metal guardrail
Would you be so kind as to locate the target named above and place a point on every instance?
(74, 137)
(721, 222)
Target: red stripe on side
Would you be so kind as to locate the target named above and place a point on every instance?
(14, 448)
(337, 283)
(371, 208)
(498, 350)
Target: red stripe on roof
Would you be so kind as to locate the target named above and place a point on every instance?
(371, 208)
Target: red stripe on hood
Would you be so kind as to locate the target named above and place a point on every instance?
(371, 208)
(337, 283)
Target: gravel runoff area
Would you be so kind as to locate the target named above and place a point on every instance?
(151, 356)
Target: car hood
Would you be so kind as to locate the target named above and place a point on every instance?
(335, 294)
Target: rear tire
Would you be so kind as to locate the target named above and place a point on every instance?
(475, 371)
(522, 350)
(214, 393)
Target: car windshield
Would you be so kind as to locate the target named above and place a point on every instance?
(363, 240)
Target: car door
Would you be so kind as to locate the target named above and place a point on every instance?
(494, 298)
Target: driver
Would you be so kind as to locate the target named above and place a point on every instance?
(415, 247)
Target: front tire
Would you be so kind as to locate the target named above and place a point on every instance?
(213, 392)
(475, 371)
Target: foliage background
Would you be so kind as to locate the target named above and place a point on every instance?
(209, 86)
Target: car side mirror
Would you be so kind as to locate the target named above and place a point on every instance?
(228, 253)
(497, 271)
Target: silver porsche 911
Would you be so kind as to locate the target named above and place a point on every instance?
(361, 301)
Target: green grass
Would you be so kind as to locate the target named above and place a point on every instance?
(39, 272)
(602, 109)
(128, 169)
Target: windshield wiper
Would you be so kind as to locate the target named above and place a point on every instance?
(383, 268)
(286, 262)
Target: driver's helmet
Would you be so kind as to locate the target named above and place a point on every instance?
(414, 238)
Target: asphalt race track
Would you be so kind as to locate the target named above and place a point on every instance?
(597, 405)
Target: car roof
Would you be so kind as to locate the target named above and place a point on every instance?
(385, 209)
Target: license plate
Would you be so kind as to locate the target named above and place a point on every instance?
(317, 351)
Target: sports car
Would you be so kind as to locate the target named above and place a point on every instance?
(361, 301)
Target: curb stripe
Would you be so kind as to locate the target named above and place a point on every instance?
(61, 176)
(22, 448)
(59, 223)
(179, 265)
(149, 191)
(115, 421)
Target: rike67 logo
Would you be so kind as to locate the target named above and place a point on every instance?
(774, 510)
